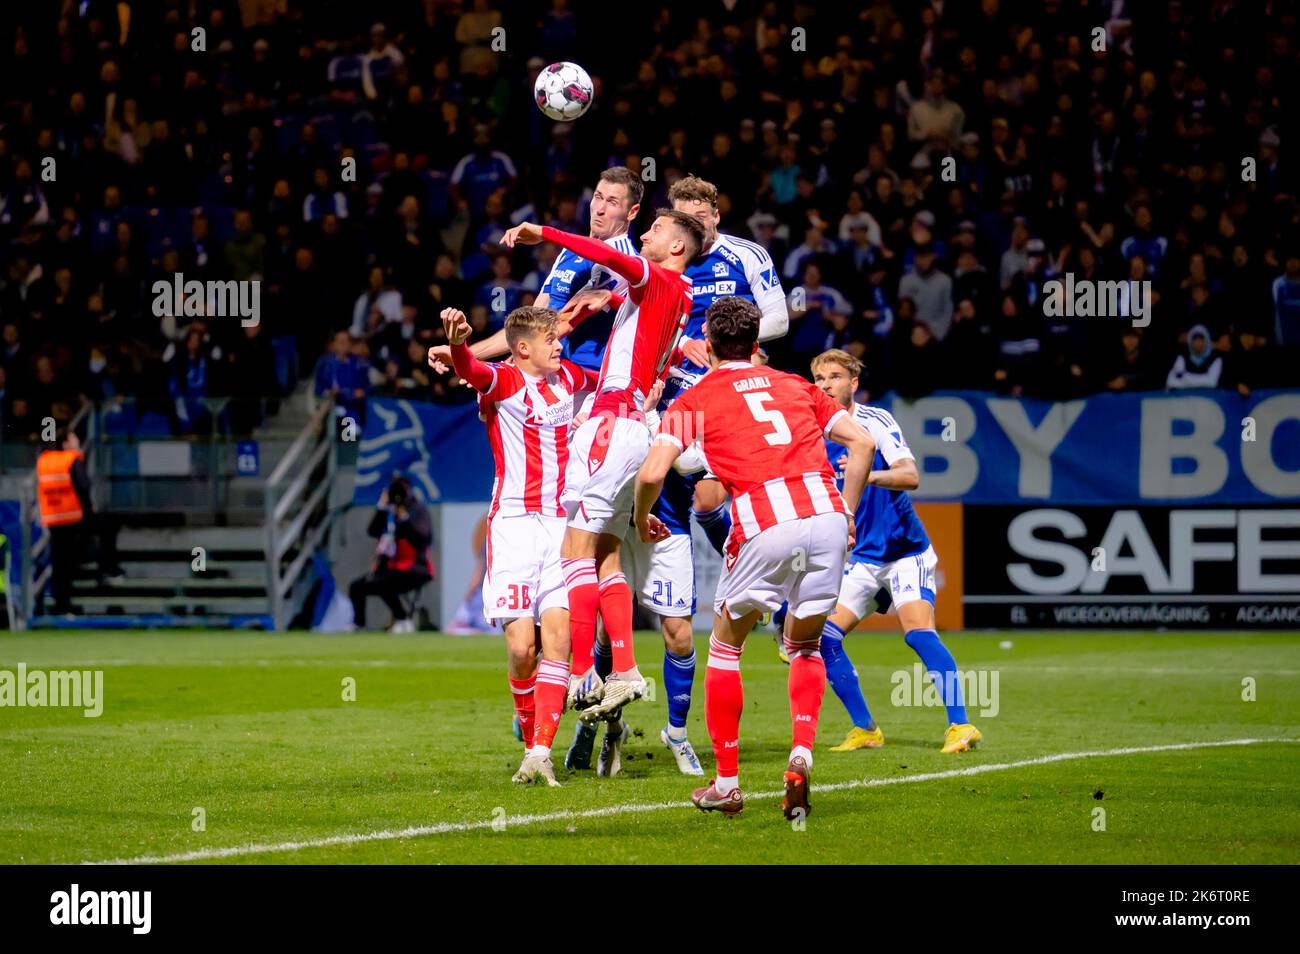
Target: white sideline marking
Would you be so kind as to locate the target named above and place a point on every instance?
(444, 828)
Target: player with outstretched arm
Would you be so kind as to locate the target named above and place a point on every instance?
(611, 444)
(762, 434)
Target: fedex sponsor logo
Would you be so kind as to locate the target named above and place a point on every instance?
(566, 275)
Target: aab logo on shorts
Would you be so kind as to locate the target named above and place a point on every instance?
(974, 688)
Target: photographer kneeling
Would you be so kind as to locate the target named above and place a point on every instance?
(402, 562)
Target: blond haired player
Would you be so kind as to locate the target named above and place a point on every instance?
(527, 407)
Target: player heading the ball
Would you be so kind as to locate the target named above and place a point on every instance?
(610, 445)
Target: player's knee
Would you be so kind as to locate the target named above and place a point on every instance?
(522, 657)
(678, 637)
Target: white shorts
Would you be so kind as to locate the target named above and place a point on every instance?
(906, 581)
(599, 485)
(800, 562)
(523, 576)
(661, 574)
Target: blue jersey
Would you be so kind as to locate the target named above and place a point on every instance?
(571, 274)
(731, 266)
(885, 525)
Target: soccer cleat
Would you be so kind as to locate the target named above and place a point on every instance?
(687, 763)
(535, 767)
(516, 728)
(859, 738)
(795, 802)
(610, 761)
(620, 689)
(961, 738)
(579, 755)
(709, 799)
(781, 654)
(584, 690)
(402, 626)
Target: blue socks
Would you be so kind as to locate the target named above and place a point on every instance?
(604, 659)
(942, 668)
(679, 674)
(716, 524)
(842, 676)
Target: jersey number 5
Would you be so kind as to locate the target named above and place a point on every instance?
(780, 430)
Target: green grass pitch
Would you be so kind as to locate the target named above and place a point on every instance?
(253, 729)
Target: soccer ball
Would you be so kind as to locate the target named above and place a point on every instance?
(563, 91)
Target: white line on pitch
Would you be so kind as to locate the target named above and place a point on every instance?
(445, 828)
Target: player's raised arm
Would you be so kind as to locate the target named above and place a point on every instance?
(481, 377)
(582, 306)
(631, 267)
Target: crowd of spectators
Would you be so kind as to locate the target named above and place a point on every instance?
(918, 170)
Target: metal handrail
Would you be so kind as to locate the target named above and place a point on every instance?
(303, 439)
(295, 489)
(296, 471)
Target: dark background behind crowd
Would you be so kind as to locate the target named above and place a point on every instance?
(829, 148)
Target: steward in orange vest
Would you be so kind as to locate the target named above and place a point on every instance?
(56, 491)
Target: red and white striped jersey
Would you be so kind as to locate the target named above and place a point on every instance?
(645, 330)
(763, 432)
(646, 327)
(528, 421)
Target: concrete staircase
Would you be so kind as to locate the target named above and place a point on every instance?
(247, 495)
(161, 579)
(157, 551)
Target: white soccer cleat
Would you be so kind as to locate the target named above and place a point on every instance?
(682, 751)
(402, 626)
(534, 768)
(610, 761)
(585, 690)
(620, 689)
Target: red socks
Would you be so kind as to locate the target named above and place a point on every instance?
(724, 699)
(552, 687)
(807, 686)
(525, 706)
(616, 611)
(584, 600)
